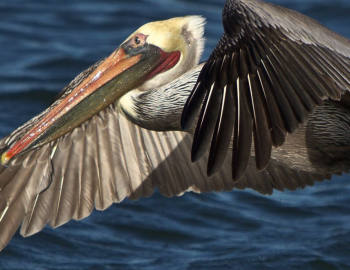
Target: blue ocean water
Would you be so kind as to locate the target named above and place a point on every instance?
(44, 44)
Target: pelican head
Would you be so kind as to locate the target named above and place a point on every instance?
(180, 37)
(155, 54)
(151, 105)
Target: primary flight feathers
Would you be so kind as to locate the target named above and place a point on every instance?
(116, 131)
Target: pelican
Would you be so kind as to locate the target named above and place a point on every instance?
(125, 125)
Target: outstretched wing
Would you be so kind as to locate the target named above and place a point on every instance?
(268, 72)
(109, 159)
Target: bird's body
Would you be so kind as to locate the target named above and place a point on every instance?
(101, 149)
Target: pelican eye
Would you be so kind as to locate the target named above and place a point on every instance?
(137, 40)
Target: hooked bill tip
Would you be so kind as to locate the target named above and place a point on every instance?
(4, 158)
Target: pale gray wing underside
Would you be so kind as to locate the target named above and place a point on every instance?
(109, 159)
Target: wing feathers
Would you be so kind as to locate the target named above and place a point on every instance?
(222, 133)
(262, 138)
(275, 123)
(106, 187)
(196, 97)
(151, 159)
(298, 63)
(12, 218)
(122, 186)
(61, 158)
(242, 138)
(204, 130)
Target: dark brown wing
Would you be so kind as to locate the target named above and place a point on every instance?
(266, 75)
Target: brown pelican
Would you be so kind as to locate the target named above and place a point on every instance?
(116, 130)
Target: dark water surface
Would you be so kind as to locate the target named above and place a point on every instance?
(44, 44)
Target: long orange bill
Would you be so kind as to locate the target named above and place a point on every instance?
(118, 74)
(114, 65)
